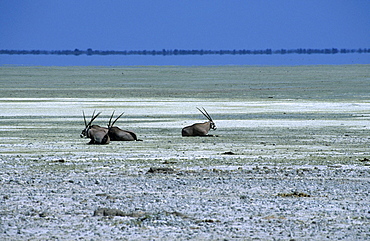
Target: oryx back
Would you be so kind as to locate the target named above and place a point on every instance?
(197, 129)
(116, 134)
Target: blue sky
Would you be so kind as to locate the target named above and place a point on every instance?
(168, 24)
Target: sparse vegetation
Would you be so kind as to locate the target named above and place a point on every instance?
(280, 129)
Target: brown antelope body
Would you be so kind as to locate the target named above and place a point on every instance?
(97, 134)
(200, 129)
(117, 134)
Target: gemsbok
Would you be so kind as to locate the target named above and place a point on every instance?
(117, 134)
(97, 134)
(200, 129)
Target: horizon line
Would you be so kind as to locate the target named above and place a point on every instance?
(174, 52)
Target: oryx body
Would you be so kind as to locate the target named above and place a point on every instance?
(200, 129)
(97, 134)
(117, 134)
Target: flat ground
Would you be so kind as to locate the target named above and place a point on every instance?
(290, 160)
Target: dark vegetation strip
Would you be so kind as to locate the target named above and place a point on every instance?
(165, 52)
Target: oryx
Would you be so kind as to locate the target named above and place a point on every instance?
(200, 129)
(97, 134)
(117, 134)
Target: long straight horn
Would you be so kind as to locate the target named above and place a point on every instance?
(204, 114)
(110, 120)
(83, 112)
(117, 118)
(209, 116)
(93, 114)
(93, 118)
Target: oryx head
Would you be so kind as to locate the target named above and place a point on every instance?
(84, 132)
(205, 113)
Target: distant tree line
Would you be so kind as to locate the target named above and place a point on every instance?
(165, 52)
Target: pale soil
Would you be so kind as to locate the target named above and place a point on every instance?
(299, 139)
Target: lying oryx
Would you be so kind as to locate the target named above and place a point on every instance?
(97, 134)
(117, 134)
(200, 129)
